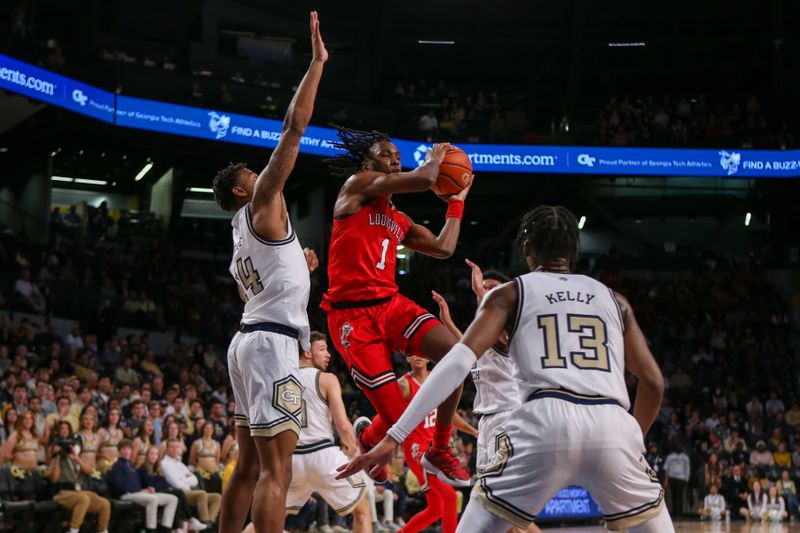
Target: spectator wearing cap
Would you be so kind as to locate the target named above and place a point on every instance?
(761, 456)
(126, 484)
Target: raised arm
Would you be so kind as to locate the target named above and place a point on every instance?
(422, 240)
(268, 206)
(493, 315)
(640, 362)
(444, 315)
(332, 393)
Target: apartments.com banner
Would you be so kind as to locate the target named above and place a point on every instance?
(215, 125)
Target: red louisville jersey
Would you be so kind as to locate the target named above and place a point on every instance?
(424, 431)
(363, 252)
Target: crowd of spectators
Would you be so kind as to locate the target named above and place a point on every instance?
(692, 122)
(730, 418)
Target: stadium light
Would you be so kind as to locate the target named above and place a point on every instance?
(581, 222)
(201, 189)
(90, 182)
(627, 44)
(747, 218)
(61, 178)
(400, 247)
(145, 170)
(434, 41)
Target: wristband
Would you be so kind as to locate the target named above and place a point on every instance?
(455, 209)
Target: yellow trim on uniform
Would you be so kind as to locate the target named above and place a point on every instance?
(501, 512)
(346, 510)
(636, 517)
(289, 425)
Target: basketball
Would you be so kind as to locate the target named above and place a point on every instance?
(455, 173)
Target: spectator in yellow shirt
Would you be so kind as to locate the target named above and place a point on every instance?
(782, 457)
(63, 412)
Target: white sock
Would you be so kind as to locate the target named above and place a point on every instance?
(74, 530)
(660, 524)
(388, 506)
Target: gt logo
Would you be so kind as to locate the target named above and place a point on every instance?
(289, 396)
(345, 332)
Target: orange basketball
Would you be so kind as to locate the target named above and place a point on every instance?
(455, 173)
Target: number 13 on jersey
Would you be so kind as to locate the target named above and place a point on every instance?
(592, 341)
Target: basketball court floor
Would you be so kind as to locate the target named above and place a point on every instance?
(699, 527)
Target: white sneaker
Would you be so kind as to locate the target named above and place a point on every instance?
(325, 529)
(197, 525)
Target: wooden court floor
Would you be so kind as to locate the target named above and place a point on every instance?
(699, 527)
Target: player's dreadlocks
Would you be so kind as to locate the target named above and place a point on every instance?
(356, 144)
(551, 232)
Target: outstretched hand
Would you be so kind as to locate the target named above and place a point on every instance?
(320, 53)
(371, 461)
(444, 309)
(477, 280)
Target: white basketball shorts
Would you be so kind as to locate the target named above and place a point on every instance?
(560, 439)
(489, 426)
(263, 368)
(315, 471)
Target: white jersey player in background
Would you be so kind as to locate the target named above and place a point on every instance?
(316, 456)
(572, 339)
(270, 269)
(496, 390)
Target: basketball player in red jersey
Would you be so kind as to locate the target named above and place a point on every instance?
(440, 498)
(367, 317)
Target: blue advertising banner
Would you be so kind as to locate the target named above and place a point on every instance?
(244, 129)
(55, 89)
(571, 502)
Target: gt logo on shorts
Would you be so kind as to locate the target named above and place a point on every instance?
(503, 452)
(345, 332)
(287, 397)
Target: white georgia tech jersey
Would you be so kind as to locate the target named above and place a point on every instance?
(273, 276)
(496, 388)
(317, 415)
(568, 334)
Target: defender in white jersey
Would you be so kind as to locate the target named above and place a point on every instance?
(571, 338)
(496, 390)
(316, 456)
(270, 270)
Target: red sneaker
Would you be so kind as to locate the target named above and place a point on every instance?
(445, 465)
(382, 474)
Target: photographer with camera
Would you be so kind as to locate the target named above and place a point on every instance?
(66, 467)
